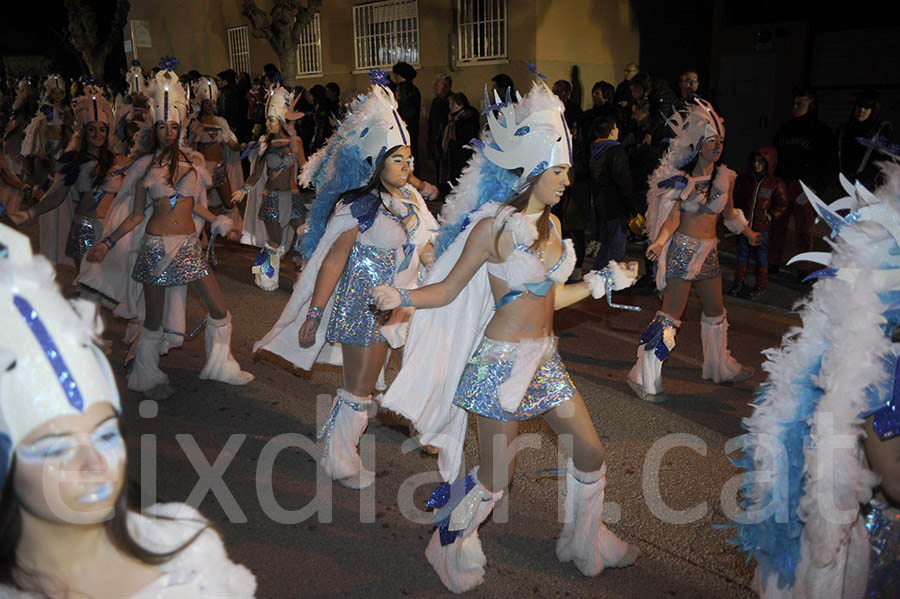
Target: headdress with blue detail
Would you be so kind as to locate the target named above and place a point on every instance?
(50, 363)
(280, 104)
(205, 88)
(348, 160)
(136, 81)
(167, 96)
(839, 368)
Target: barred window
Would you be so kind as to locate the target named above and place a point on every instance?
(386, 33)
(309, 50)
(481, 30)
(239, 49)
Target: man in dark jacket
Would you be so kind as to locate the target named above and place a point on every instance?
(409, 102)
(437, 121)
(763, 198)
(612, 192)
(229, 103)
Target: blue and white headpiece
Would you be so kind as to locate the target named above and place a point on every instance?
(136, 81)
(205, 88)
(280, 104)
(50, 363)
(167, 96)
(371, 127)
(692, 126)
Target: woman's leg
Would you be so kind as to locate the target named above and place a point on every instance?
(657, 340)
(220, 363)
(361, 367)
(495, 438)
(585, 539)
(273, 230)
(718, 364)
(145, 374)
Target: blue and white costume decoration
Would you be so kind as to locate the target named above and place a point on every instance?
(810, 520)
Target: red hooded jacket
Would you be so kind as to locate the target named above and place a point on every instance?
(762, 200)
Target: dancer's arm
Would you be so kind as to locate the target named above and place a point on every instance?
(665, 232)
(884, 460)
(565, 295)
(730, 213)
(99, 251)
(478, 249)
(239, 194)
(50, 201)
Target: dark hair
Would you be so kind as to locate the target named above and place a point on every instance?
(334, 88)
(228, 76)
(317, 91)
(686, 71)
(503, 82)
(405, 70)
(603, 124)
(563, 85)
(520, 203)
(803, 91)
(105, 156)
(374, 184)
(446, 79)
(174, 152)
(642, 80)
(460, 99)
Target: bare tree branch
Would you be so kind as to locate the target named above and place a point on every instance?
(83, 34)
(282, 26)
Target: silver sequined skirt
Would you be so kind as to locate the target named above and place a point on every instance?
(188, 265)
(218, 175)
(883, 529)
(273, 202)
(682, 250)
(83, 234)
(491, 366)
(354, 318)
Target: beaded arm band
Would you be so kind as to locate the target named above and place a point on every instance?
(109, 242)
(314, 313)
(405, 300)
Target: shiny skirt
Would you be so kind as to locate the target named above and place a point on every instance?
(491, 366)
(218, 175)
(83, 234)
(274, 204)
(188, 265)
(354, 318)
(682, 250)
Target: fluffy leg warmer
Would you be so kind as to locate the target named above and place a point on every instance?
(645, 378)
(585, 538)
(145, 373)
(718, 363)
(342, 431)
(267, 266)
(454, 550)
(220, 363)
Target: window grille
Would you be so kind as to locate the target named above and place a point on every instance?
(309, 50)
(239, 49)
(386, 33)
(481, 30)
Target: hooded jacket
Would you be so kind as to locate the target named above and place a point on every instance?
(765, 199)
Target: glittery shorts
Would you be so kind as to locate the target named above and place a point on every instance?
(682, 249)
(218, 175)
(491, 366)
(83, 234)
(188, 265)
(354, 318)
(883, 530)
(273, 202)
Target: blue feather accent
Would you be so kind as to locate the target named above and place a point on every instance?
(532, 68)
(250, 147)
(47, 110)
(135, 63)
(5, 456)
(168, 63)
(379, 77)
(827, 273)
(365, 209)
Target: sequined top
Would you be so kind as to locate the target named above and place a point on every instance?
(709, 199)
(190, 184)
(280, 158)
(85, 181)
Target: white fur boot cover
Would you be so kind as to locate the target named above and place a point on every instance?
(342, 432)
(145, 373)
(267, 266)
(718, 363)
(220, 363)
(658, 339)
(585, 538)
(454, 550)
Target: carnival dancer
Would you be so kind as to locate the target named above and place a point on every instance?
(279, 208)
(688, 192)
(822, 454)
(210, 135)
(169, 183)
(489, 348)
(368, 226)
(134, 115)
(13, 187)
(88, 175)
(68, 524)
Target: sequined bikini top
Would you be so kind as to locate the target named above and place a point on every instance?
(85, 183)
(278, 159)
(156, 182)
(712, 194)
(523, 270)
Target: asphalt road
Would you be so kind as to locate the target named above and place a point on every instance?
(371, 544)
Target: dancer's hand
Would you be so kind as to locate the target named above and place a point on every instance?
(386, 297)
(18, 217)
(754, 237)
(307, 334)
(97, 253)
(238, 196)
(429, 191)
(654, 251)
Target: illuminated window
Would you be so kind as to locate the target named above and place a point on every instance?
(239, 49)
(386, 33)
(309, 50)
(481, 30)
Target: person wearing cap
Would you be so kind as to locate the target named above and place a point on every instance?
(856, 161)
(409, 102)
(68, 517)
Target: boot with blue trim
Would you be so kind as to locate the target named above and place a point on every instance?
(656, 342)
(266, 267)
(342, 431)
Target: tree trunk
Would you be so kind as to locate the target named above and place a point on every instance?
(288, 61)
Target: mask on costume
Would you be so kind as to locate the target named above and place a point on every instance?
(50, 364)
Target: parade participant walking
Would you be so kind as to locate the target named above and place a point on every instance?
(368, 226)
(688, 193)
(487, 346)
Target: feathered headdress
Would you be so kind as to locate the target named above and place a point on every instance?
(347, 161)
(205, 88)
(280, 104)
(53, 82)
(89, 107)
(50, 363)
(167, 96)
(136, 81)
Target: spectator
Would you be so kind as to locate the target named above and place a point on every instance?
(409, 102)
(563, 90)
(612, 189)
(602, 93)
(243, 87)
(763, 198)
(502, 83)
(229, 103)
(623, 90)
(333, 95)
(306, 126)
(688, 83)
(854, 159)
(271, 75)
(322, 123)
(640, 84)
(805, 153)
(437, 121)
(256, 107)
(462, 127)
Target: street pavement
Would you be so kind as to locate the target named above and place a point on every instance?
(372, 544)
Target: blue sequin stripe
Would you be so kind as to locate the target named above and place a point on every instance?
(65, 378)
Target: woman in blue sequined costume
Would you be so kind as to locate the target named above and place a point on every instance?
(487, 347)
(169, 186)
(368, 226)
(279, 208)
(689, 191)
(822, 453)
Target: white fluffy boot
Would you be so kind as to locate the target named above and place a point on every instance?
(585, 538)
(267, 266)
(645, 378)
(146, 376)
(454, 550)
(342, 432)
(718, 363)
(220, 363)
